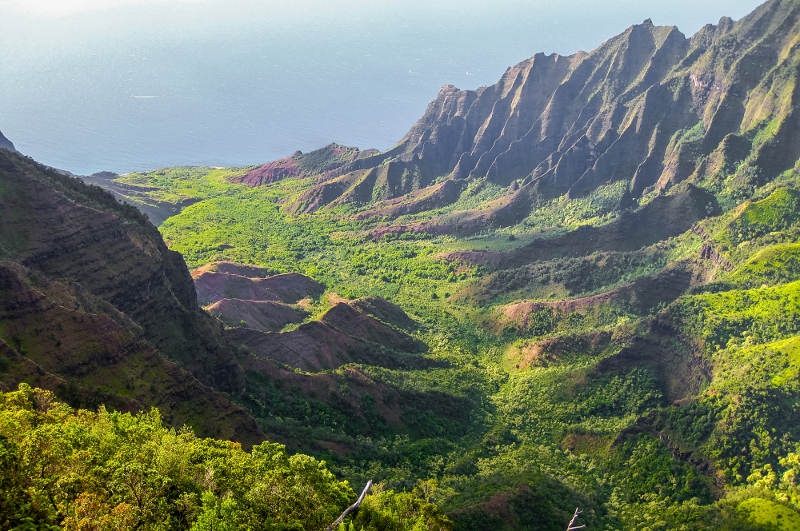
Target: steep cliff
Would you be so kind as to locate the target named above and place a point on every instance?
(96, 306)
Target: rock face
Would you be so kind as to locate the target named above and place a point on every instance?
(225, 280)
(649, 107)
(369, 330)
(6, 143)
(95, 306)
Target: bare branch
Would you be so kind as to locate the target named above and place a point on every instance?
(350, 509)
(571, 525)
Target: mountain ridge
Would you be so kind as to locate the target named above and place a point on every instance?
(557, 125)
(577, 287)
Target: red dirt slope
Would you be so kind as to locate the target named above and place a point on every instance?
(343, 335)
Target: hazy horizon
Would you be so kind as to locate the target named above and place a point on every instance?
(142, 84)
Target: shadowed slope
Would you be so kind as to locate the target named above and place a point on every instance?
(92, 299)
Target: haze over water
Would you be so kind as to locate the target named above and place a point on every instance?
(152, 83)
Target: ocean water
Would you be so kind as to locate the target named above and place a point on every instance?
(150, 83)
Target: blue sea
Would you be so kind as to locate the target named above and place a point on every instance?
(89, 86)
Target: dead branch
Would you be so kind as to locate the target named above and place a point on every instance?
(350, 509)
(571, 525)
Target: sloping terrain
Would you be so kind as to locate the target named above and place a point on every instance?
(257, 315)
(95, 306)
(343, 335)
(244, 296)
(233, 281)
(325, 161)
(155, 210)
(594, 250)
(257, 307)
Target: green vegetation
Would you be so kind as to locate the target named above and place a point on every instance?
(775, 264)
(776, 213)
(645, 411)
(83, 470)
(599, 206)
(248, 225)
(176, 185)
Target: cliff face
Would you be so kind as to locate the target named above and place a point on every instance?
(649, 106)
(95, 304)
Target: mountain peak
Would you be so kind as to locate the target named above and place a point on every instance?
(725, 23)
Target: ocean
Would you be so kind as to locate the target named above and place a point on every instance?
(88, 87)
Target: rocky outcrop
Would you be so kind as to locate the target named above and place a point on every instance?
(650, 107)
(257, 307)
(269, 316)
(96, 305)
(6, 143)
(215, 282)
(271, 172)
(245, 296)
(326, 161)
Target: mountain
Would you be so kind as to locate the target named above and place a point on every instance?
(96, 307)
(578, 287)
(300, 363)
(649, 107)
(596, 259)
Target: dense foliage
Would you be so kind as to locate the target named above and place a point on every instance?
(116, 470)
(78, 469)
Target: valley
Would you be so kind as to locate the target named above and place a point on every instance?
(578, 287)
